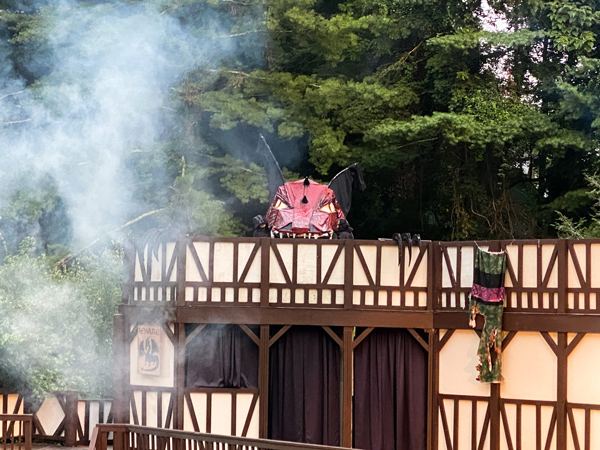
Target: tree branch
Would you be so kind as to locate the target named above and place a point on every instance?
(69, 257)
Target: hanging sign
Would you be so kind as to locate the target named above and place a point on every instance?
(149, 349)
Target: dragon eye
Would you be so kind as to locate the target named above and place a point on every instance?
(280, 205)
(329, 208)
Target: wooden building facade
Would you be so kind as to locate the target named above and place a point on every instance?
(179, 291)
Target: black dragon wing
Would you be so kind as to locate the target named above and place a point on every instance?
(344, 182)
(271, 166)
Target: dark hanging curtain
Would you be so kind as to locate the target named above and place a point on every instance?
(221, 356)
(390, 392)
(304, 387)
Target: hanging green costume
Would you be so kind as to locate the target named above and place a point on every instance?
(487, 299)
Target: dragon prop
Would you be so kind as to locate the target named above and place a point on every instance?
(305, 208)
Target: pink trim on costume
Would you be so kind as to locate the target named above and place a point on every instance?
(488, 294)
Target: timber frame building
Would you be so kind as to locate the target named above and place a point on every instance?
(348, 290)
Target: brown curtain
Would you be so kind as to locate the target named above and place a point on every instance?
(221, 356)
(390, 392)
(304, 387)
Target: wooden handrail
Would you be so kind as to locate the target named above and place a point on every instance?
(16, 431)
(122, 433)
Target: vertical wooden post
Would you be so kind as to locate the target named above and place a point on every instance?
(263, 382)
(432, 389)
(561, 391)
(71, 418)
(347, 379)
(563, 282)
(27, 432)
(178, 418)
(265, 261)
(182, 244)
(348, 272)
(120, 404)
(495, 246)
(495, 416)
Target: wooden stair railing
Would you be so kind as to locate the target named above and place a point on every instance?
(135, 437)
(15, 431)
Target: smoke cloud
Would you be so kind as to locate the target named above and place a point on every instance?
(104, 92)
(105, 74)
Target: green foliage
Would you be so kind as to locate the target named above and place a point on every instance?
(56, 322)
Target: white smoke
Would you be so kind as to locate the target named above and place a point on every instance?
(107, 93)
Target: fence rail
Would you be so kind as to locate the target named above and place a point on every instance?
(133, 437)
(16, 431)
(543, 276)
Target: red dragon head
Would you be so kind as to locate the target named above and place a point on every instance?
(304, 208)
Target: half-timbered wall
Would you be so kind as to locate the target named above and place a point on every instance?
(549, 399)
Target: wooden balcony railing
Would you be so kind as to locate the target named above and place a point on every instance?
(133, 437)
(15, 431)
(543, 276)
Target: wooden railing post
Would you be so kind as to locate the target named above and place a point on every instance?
(27, 432)
(120, 406)
(348, 272)
(265, 260)
(71, 418)
(182, 244)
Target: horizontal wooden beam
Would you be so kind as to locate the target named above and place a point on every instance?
(526, 321)
(512, 321)
(306, 316)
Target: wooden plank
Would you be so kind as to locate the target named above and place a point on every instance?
(445, 427)
(279, 259)
(250, 334)
(574, 342)
(179, 376)
(333, 263)
(449, 267)
(445, 339)
(195, 332)
(280, 333)
(362, 337)
(347, 387)
(363, 263)
(333, 336)
(553, 345)
(308, 316)
(249, 263)
(263, 381)
(418, 338)
(506, 427)
(197, 261)
(250, 414)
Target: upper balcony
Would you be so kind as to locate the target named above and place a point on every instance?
(552, 285)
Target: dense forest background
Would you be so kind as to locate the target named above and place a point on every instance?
(471, 120)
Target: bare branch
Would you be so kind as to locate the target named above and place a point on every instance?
(16, 121)
(69, 257)
(10, 95)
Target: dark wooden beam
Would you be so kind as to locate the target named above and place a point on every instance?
(179, 376)
(306, 316)
(347, 377)
(263, 382)
(527, 321)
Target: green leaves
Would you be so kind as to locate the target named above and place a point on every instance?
(56, 322)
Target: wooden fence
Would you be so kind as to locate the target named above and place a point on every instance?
(15, 431)
(133, 437)
(547, 276)
(62, 418)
